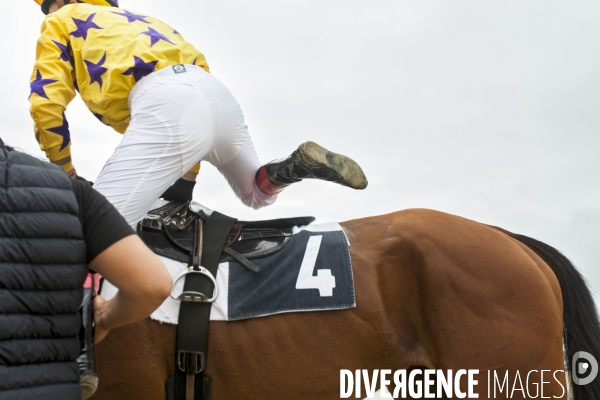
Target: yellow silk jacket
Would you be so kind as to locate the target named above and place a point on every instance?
(102, 52)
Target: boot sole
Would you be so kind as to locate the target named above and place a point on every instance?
(336, 167)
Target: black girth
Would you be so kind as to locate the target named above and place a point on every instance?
(189, 383)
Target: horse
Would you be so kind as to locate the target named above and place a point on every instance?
(433, 291)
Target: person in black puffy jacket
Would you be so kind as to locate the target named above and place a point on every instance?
(52, 231)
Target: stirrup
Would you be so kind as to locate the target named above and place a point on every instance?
(195, 297)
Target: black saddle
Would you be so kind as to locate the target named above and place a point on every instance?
(169, 232)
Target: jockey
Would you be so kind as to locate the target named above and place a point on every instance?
(141, 77)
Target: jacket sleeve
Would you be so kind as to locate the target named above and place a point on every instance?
(52, 89)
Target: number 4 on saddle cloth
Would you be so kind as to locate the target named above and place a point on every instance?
(266, 267)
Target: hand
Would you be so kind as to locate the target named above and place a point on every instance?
(99, 308)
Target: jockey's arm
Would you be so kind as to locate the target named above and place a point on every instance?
(52, 89)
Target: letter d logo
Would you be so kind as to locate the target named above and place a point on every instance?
(578, 369)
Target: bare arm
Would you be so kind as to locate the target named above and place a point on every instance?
(141, 278)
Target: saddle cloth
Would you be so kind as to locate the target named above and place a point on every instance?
(312, 273)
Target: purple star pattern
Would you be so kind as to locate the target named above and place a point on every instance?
(100, 118)
(37, 86)
(64, 51)
(96, 70)
(175, 32)
(155, 36)
(63, 131)
(140, 68)
(131, 17)
(84, 26)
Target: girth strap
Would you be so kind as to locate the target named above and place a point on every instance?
(192, 332)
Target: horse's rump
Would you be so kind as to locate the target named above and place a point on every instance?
(581, 326)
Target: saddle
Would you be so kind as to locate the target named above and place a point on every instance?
(169, 232)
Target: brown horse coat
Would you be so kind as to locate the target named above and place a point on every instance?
(433, 290)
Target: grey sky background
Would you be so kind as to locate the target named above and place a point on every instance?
(488, 110)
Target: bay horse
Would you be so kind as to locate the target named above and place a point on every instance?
(433, 290)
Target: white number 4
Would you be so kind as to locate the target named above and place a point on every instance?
(324, 281)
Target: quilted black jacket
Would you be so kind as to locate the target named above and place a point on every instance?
(42, 271)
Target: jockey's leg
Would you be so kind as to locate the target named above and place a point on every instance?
(241, 171)
(234, 156)
(310, 161)
(171, 129)
(182, 189)
(233, 152)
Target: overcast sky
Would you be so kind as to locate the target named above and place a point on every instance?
(488, 110)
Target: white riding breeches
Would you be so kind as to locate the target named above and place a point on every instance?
(179, 115)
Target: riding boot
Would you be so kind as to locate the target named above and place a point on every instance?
(310, 161)
(181, 190)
